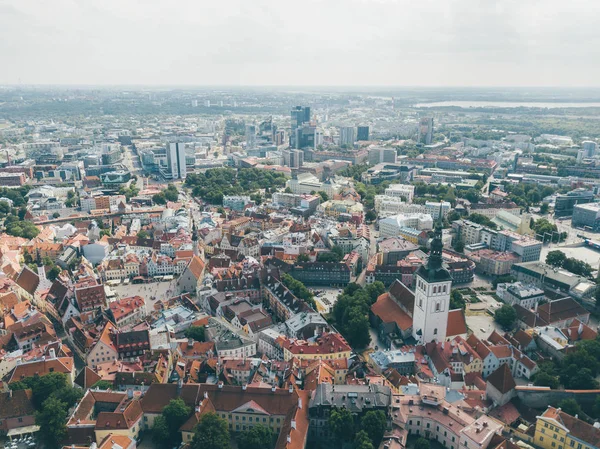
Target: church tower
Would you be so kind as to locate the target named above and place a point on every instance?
(195, 239)
(432, 295)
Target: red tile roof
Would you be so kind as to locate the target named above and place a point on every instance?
(457, 324)
(389, 312)
(502, 379)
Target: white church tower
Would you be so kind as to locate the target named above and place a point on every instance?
(432, 295)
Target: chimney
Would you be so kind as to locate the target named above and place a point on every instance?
(291, 389)
(206, 395)
(244, 387)
(10, 393)
(129, 393)
(52, 353)
(220, 385)
(300, 403)
(179, 386)
(273, 388)
(293, 423)
(289, 438)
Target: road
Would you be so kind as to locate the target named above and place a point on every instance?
(360, 280)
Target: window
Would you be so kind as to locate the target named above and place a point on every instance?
(553, 444)
(541, 438)
(437, 307)
(428, 425)
(435, 331)
(20, 419)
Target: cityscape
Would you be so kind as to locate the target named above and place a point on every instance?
(358, 225)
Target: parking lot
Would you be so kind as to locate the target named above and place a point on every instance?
(478, 320)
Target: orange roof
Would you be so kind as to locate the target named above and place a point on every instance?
(196, 266)
(390, 312)
(457, 324)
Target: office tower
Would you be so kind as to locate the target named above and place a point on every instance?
(425, 130)
(347, 135)
(589, 148)
(293, 158)
(250, 137)
(362, 133)
(380, 155)
(299, 116)
(306, 137)
(176, 168)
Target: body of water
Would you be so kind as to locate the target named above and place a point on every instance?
(506, 104)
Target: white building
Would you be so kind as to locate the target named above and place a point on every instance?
(389, 227)
(432, 296)
(176, 168)
(405, 191)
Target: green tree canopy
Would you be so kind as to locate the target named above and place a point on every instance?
(422, 443)
(341, 423)
(505, 316)
(363, 441)
(374, 423)
(570, 406)
(257, 437)
(52, 419)
(195, 333)
(555, 258)
(212, 432)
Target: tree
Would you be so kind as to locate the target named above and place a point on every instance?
(159, 198)
(362, 441)
(456, 300)
(257, 437)
(143, 234)
(195, 333)
(570, 407)
(370, 215)
(375, 290)
(44, 386)
(357, 328)
(543, 379)
(302, 258)
(341, 423)
(160, 432)
(211, 432)
(505, 316)
(171, 193)
(175, 415)
(55, 215)
(555, 258)
(374, 423)
(505, 279)
(287, 190)
(544, 208)
(323, 195)
(459, 246)
(103, 385)
(52, 419)
(53, 273)
(422, 443)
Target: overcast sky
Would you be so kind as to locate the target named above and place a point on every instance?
(301, 42)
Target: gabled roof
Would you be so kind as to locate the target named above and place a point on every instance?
(457, 324)
(196, 267)
(502, 379)
(389, 312)
(87, 377)
(16, 404)
(250, 407)
(578, 428)
(28, 280)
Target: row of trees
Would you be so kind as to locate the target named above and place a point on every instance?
(212, 185)
(557, 258)
(482, 220)
(299, 289)
(169, 194)
(351, 312)
(366, 433)
(212, 432)
(544, 228)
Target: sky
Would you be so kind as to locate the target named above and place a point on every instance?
(301, 42)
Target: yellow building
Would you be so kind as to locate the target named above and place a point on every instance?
(555, 429)
(329, 346)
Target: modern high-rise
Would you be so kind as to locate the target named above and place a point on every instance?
(347, 135)
(300, 115)
(425, 130)
(362, 133)
(293, 158)
(176, 168)
(250, 137)
(589, 148)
